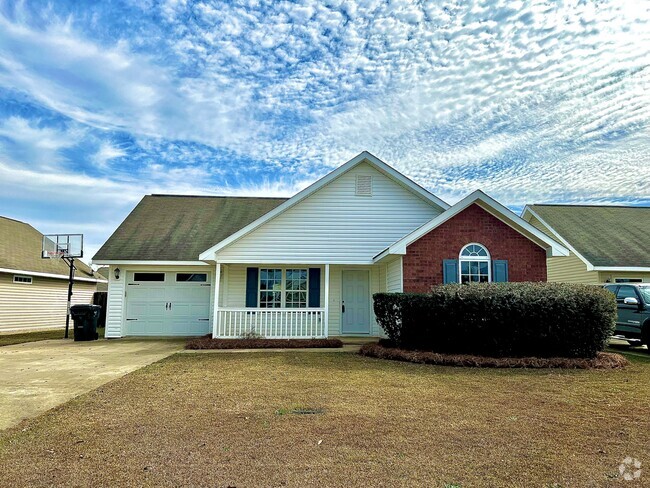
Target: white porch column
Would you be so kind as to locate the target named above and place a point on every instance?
(327, 300)
(215, 319)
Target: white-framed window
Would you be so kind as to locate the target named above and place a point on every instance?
(270, 289)
(25, 280)
(474, 260)
(295, 288)
(283, 288)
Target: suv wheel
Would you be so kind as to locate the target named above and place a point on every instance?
(645, 335)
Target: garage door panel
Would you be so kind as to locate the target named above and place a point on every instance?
(168, 308)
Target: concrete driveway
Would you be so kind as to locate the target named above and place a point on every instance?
(37, 376)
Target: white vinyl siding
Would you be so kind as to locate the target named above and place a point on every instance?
(41, 304)
(116, 291)
(394, 276)
(115, 303)
(336, 226)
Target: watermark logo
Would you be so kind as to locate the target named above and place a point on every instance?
(630, 469)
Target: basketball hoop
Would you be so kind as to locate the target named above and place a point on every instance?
(56, 255)
(66, 247)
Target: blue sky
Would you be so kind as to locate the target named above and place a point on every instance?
(103, 102)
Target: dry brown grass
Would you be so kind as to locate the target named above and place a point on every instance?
(226, 420)
(32, 336)
(603, 360)
(207, 342)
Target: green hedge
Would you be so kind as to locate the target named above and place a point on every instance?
(501, 319)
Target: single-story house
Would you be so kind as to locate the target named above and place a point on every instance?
(306, 266)
(607, 243)
(33, 290)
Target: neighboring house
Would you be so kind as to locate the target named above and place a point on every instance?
(608, 244)
(103, 272)
(33, 290)
(306, 266)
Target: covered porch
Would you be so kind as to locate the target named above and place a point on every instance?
(292, 301)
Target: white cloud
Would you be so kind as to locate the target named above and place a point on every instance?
(532, 102)
(105, 153)
(35, 145)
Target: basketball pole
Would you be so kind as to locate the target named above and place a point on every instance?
(70, 282)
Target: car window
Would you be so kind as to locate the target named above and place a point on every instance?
(611, 288)
(625, 291)
(645, 293)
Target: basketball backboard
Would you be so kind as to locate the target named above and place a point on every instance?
(56, 246)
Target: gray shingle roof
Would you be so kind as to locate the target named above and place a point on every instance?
(179, 228)
(604, 235)
(20, 249)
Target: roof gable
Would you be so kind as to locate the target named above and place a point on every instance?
(602, 236)
(178, 228)
(493, 207)
(364, 157)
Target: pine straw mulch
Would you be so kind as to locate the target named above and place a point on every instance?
(604, 360)
(207, 342)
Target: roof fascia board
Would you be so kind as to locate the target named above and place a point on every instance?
(638, 269)
(49, 275)
(152, 263)
(365, 156)
(530, 211)
(294, 262)
(400, 246)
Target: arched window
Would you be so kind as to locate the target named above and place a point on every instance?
(475, 264)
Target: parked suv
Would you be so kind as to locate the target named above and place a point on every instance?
(633, 321)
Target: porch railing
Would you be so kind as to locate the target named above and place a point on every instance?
(271, 322)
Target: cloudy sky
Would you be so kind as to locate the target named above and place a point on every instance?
(103, 102)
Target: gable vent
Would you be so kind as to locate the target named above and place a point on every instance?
(364, 186)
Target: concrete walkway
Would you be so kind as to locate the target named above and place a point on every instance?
(37, 376)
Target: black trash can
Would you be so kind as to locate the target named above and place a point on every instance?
(85, 319)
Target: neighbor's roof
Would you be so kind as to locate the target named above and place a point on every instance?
(21, 249)
(607, 236)
(179, 228)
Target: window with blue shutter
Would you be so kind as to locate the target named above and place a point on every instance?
(252, 280)
(314, 287)
(500, 270)
(450, 271)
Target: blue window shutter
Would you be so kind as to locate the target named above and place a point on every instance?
(252, 284)
(450, 271)
(500, 270)
(314, 288)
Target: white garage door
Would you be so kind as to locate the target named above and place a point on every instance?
(167, 303)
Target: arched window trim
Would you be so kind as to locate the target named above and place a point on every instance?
(485, 259)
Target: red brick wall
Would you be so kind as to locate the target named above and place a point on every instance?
(423, 260)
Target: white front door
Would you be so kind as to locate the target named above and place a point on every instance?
(167, 304)
(355, 302)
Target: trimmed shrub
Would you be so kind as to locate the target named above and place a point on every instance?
(501, 319)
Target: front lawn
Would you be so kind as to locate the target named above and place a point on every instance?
(336, 419)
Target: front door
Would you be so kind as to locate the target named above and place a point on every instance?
(355, 302)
